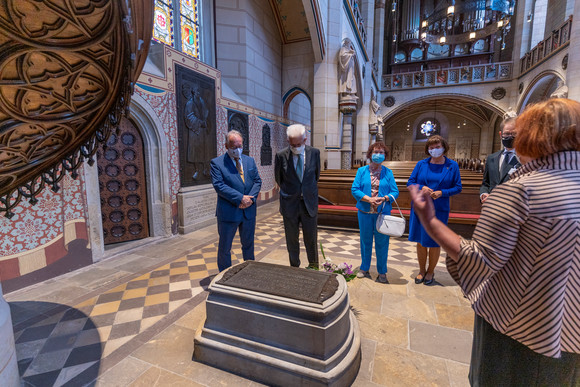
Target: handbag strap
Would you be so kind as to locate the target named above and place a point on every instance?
(395, 200)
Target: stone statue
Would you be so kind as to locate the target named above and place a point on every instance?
(561, 91)
(346, 61)
(375, 117)
(196, 114)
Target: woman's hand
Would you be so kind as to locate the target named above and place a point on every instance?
(376, 200)
(422, 203)
(426, 190)
(436, 194)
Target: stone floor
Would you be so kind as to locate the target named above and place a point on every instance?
(131, 319)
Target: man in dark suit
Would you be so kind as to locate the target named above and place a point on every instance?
(297, 170)
(237, 182)
(500, 165)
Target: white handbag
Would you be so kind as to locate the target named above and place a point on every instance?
(391, 225)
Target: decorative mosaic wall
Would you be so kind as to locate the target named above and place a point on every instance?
(39, 235)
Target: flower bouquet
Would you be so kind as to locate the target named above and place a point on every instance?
(344, 269)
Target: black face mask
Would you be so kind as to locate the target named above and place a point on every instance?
(508, 142)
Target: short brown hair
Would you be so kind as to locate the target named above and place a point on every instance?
(436, 139)
(548, 127)
(506, 121)
(377, 145)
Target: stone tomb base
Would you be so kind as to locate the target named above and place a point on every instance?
(281, 326)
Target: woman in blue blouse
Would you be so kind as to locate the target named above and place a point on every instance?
(374, 188)
(439, 177)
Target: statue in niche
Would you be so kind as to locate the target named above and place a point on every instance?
(266, 149)
(239, 122)
(375, 118)
(346, 61)
(561, 91)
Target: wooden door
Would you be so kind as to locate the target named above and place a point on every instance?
(122, 184)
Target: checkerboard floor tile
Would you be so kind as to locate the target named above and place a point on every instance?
(59, 348)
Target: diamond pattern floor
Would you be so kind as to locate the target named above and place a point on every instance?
(59, 349)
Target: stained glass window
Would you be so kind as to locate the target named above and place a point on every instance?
(185, 36)
(189, 27)
(163, 23)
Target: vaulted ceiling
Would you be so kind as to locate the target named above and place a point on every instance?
(291, 19)
(467, 109)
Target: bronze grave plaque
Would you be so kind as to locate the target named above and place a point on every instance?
(289, 282)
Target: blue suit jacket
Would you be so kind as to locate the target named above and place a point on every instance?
(449, 184)
(231, 189)
(361, 186)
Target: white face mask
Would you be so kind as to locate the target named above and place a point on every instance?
(436, 152)
(236, 153)
(297, 150)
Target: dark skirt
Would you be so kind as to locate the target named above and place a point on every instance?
(499, 360)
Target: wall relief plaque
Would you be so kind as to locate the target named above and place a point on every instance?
(196, 126)
(266, 149)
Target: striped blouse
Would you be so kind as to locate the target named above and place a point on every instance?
(521, 270)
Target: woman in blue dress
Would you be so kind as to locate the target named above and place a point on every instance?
(374, 188)
(439, 177)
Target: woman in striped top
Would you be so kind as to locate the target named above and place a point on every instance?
(521, 270)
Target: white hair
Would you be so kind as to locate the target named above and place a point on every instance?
(296, 130)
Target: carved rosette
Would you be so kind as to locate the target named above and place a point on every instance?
(65, 81)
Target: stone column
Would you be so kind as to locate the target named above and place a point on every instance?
(573, 70)
(94, 220)
(378, 42)
(325, 113)
(347, 105)
(346, 150)
(8, 367)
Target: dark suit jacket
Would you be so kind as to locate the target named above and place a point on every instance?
(230, 189)
(291, 189)
(491, 174)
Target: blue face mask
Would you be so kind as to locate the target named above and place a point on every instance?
(378, 158)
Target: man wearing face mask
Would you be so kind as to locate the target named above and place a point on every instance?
(500, 165)
(297, 170)
(236, 180)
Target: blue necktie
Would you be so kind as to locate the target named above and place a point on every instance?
(299, 167)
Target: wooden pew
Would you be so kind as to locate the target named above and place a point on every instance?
(337, 205)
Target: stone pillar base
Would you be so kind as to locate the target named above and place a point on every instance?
(196, 208)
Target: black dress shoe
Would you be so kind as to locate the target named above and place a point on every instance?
(419, 280)
(430, 281)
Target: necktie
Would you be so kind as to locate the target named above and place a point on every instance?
(299, 167)
(240, 170)
(505, 166)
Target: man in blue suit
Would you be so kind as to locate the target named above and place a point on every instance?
(237, 182)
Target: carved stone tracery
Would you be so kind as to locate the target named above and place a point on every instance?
(66, 76)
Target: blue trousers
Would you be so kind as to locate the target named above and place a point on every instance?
(227, 231)
(366, 224)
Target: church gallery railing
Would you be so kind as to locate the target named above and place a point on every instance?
(449, 76)
(557, 39)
